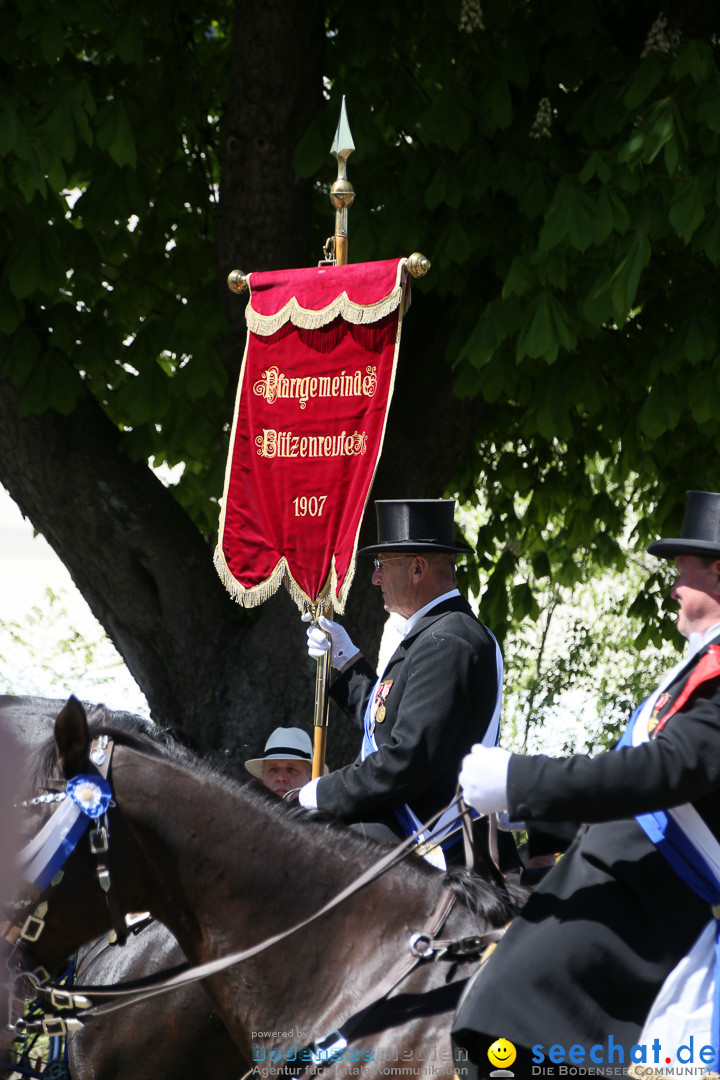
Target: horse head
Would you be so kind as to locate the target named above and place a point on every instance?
(70, 841)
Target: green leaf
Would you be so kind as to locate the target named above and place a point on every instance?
(53, 384)
(553, 417)
(20, 356)
(572, 216)
(114, 134)
(626, 277)
(524, 603)
(645, 80)
(545, 330)
(702, 394)
(695, 58)
(541, 565)
(653, 134)
(604, 219)
(145, 399)
(29, 176)
(537, 338)
(498, 321)
(661, 411)
(38, 266)
(82, 111)
(60, 129)
(686, 209)
(621, 216)
(700, 340)
(595, 166)
(518, 279)
(707, 237)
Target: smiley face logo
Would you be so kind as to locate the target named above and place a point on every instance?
(502, 1053)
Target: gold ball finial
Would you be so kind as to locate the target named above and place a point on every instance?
(237, 281)
(418, 265)
(342, 194)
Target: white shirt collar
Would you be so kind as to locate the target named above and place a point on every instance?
(697, 641)
(417, 615)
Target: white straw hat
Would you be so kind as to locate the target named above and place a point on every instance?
(287, 743)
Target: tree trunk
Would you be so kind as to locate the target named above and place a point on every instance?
(228, 676)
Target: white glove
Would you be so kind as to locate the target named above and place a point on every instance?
(483, 778)
(343, 649)
(307, 795)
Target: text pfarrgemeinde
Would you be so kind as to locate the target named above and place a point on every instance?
(273, 385)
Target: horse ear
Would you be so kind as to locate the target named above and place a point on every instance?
(72, 738)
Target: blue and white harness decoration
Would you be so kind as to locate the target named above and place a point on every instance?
(85, 799)
(431, 841)
(689, 1000)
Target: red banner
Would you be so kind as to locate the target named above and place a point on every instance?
(315, 386)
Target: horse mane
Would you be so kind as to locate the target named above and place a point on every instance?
(495, 901)
(490, 901)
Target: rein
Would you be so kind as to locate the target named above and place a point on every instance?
(422, 947)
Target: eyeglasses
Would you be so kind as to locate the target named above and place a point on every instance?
(379, 565)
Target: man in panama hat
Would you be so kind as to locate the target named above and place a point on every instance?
(438, 694)
(610, 951)
(286, 762)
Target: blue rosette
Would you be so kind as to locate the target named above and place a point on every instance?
(91, 793)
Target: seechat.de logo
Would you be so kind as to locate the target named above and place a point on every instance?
(501, 1054)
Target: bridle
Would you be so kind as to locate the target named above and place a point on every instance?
(79, 803)
(423, 946)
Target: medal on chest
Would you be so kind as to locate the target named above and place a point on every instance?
(379, 704)
(656, 714)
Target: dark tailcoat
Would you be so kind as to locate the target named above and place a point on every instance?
(442, 697)
(599, 935)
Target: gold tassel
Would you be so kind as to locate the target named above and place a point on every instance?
(358, 314)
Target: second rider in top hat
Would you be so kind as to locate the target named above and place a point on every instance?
(626, 912)
(438, 694)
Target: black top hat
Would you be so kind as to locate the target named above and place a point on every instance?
(700, 529)
(415, 525)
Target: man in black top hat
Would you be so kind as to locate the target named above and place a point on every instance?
(438, 694)
(611, 920)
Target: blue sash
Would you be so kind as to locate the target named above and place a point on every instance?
(683, 856)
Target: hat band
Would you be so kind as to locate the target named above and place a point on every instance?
(287, 751)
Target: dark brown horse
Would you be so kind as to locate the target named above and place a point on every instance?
(225, 866)
(179, 1036)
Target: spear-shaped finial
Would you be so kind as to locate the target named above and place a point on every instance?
(342, 193)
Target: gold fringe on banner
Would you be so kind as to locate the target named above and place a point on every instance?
(258, 594)
(308, 319)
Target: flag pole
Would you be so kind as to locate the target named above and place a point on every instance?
(335, 251)
(342, 196)
(342, 193)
